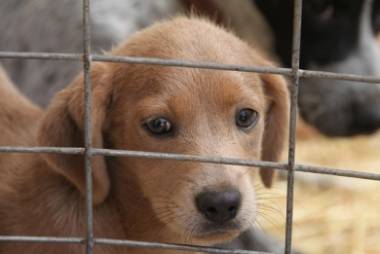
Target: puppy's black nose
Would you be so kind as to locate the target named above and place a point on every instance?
(219, 206)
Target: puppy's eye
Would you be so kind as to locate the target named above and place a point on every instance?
(158, 126)
(246, 118)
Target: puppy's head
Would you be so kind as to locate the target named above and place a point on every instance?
(176, 110)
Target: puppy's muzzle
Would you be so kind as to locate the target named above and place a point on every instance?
(218, 207)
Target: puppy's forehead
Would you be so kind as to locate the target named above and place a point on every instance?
(192, 89)
(189, 39)
(194, 40)
(212, 88)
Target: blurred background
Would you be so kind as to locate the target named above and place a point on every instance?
(338, 123)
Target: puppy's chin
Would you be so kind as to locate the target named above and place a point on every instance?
(210, 234)
(203, 232)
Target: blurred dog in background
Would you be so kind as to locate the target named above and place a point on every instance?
(40, 26)
(337, 36)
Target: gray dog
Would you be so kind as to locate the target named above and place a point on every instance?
(337, 36)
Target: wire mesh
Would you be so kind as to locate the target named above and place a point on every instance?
(88, 151)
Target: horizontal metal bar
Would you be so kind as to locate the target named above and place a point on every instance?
(126, 243)
(195, 158)
(40, 149)
(338, 172)
(41, 56)
(144, 60)
(147, 155)
(339, 76)
(186, 157)
(181, 247)
(238, 162)
(41, 239)
(190, 64)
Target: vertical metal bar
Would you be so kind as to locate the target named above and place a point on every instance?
(293, 122)
(87, 125)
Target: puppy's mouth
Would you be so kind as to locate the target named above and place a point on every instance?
(211, 233)
(210, 229)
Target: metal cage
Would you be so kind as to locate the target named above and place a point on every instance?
(88, 151)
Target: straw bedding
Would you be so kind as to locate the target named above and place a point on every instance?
(331, 214)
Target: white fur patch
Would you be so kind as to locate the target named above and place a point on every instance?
(121, 18)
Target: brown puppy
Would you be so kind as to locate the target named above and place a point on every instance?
(17, 115)
(153, 108)
(18, 127)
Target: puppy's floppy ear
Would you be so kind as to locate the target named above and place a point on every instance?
(63, 126)
(276, 122)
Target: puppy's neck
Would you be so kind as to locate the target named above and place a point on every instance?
(43, 203)
(46, 204)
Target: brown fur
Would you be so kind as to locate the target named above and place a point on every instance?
(148, 199)
(16, 114)
(18, 125)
